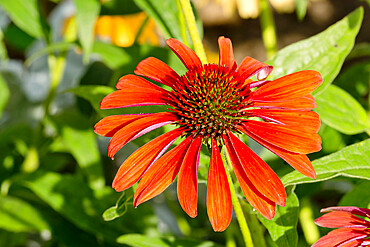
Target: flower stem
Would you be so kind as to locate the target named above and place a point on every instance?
(192, 27)
(237, 207)
(268, 28)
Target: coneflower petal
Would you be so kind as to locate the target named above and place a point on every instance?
(285, 137)
(341, 219)
(135, 97)
(108, 126)
(137, 163)
(184, 53)
(158, 71)
(339, 236)
(250, 67)
(306, 102)
(226, 54)
(161, 174)
(306, 120)
(300, 162)
(137, 128)
(187, 181)
(219, 206)
(288, 87)
(134, 81)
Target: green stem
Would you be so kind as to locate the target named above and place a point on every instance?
(192, 27)
(306, 218)
(237, 207)
(182, 24)
(268, 28)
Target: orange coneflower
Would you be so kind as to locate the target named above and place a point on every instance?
(209, 105)
(353, 231)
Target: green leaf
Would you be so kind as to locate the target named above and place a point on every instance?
(359, 76)
(93, 94)
(25, 14)
(72, 198)
(283, 227)
(351, 161)
(358, 196)
(120, 208)
(19, 216)
(341, 111)
(166, 14)
(86, 15)
(138, 240)
(324, 52)
(113, 56)
(4, 94)
(82, 144)
(301, 8)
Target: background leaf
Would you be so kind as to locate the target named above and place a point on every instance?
(282, 227)
(341, 111)
(19, 216)
(87, 12)
(25, 14)
(351, 161)
(166, 14)
(324, 52)
(4, 94)
(358, 196)
(137, 240)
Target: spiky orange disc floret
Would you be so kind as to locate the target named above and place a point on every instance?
(208, 100)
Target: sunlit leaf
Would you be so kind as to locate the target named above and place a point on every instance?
(72, 198)
(324, 52)
(341, 111)
(137, 240)
(86, 15)
(283, 227)
(19, 216)
(351, 161)
(25, 14)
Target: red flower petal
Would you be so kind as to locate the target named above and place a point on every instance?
(350, 209)
(307, 120)
(108, 126)
(250, 66)
(133, 81)
(339, 236)
(161, 174)
(219, 207)
(262, 204)
(135, 97)
(226, 55)
(138, 128)
(336, 219)
(137, 163)
(186, 55)
(258, 172)
(303, 103)
(187, 181)
(285, 137)
(158, 71)
(300, 162)
(288, 87)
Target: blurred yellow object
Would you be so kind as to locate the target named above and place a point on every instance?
(123, 30)
(119, 30)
